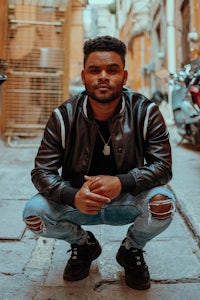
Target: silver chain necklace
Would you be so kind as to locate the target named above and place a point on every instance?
(106, 148)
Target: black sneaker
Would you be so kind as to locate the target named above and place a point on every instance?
(136, 271)
(78, 265)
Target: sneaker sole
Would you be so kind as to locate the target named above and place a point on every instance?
(144, 286)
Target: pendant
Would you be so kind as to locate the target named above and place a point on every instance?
(106, 149)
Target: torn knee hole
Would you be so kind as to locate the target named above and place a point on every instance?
(161, 207)
(34, 223)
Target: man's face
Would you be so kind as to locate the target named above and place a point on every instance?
(104, 76)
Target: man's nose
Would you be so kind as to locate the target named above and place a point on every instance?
(103, 75)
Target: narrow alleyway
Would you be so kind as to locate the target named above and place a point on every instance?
(31, 268)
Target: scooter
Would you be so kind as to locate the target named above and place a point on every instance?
(185, 99)
(158, 97)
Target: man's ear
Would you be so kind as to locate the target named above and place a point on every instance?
(125, 76)
(83, 76)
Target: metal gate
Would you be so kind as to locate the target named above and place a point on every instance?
(35, 57)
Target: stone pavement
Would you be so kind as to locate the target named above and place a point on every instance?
(31, 268)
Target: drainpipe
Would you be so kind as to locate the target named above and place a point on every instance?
(171, 50)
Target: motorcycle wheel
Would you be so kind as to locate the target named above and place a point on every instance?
(180, 122)
(193, 132)
(189, 132)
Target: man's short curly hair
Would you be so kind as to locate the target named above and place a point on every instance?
(104, 43)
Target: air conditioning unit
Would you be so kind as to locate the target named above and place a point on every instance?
(51, 58)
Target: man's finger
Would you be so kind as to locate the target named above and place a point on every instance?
(99, 198)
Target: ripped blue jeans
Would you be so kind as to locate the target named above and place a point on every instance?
(64, 222)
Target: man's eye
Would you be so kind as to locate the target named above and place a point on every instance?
(94, 71)
(112, 71)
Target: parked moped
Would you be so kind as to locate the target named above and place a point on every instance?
(185, 99)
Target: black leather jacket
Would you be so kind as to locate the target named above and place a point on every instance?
(139, 137)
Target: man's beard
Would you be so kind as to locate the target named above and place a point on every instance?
(104, 98)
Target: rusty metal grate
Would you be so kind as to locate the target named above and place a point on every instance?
(35, 57)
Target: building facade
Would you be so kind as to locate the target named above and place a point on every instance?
(41, 50)
(161, 36)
